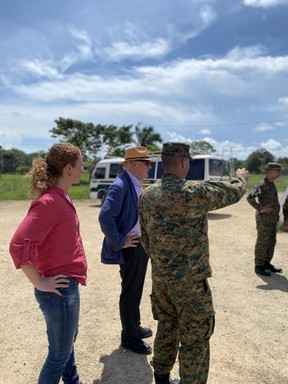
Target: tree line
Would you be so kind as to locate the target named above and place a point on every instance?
(98, 141)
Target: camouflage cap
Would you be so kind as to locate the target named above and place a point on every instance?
(176, 149)
(273, 166)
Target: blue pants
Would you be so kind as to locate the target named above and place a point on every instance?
(61, 314)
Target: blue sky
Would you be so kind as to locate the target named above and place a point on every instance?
(213, 70)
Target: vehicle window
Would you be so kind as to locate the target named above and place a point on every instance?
(115, 170)
(99, 173)
(159, 170)
(151, 172)
(196, 170)
(218, 167)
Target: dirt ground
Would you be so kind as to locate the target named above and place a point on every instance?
(250, 342)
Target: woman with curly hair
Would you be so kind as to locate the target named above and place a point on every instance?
(47, 246)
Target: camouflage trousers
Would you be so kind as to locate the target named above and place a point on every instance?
(185, 317)
(266, 241)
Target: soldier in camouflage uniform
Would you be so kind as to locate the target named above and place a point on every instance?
(264, 198)
(173, 217)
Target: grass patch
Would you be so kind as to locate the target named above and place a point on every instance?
(16, 187)
(281, 183)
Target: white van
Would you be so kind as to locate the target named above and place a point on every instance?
(103, 175)
(202, 167)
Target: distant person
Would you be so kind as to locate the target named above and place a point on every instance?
(119, 221)
(47, 246)
(285, 213)
(264, 198)
(174, 233)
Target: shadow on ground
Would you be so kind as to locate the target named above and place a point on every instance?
(275, 281)
(218, 216)
(125, 367)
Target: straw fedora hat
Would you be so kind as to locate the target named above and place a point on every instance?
(136, 153)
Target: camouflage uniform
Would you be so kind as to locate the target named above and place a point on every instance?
(266, 223)
(174, 234)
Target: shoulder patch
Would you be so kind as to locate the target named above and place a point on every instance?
(256, 192)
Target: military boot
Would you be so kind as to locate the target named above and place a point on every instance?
(261, 270)
(165, 379)
(162, 379)
(270, 267)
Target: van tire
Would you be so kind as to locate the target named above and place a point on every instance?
(103, 197)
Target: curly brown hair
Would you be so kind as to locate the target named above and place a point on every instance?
(45, 172)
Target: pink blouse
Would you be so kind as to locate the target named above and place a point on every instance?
(49, 238)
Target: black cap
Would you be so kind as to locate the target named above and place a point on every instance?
(176, 150)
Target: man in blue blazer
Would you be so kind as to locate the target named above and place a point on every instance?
(119, 221)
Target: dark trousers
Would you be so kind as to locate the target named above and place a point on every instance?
(132, 273)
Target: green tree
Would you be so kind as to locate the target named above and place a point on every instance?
(236, 163)
(78, 133)
(93, 140)
(202, 146)
(257, 160)
(147, 137)
(284, 163)
(11, 159)
(115, 139)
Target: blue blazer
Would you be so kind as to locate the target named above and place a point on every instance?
(117, 217)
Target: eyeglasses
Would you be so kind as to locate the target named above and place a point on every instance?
(147, 163)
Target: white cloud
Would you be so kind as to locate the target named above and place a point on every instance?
(81, 35)
(263, 128)
(177, 138)
(281, 123)
(85, 47)
(283, 100)
(229, 149)
(207, 15)
(53, 68)
(41, 69)
(272, 146)
(187, 94)
(138, 51)
(205, 132)
(241, 53)
(195, 89)
(264, 3)
(9, 139)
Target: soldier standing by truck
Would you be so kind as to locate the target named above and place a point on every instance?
(264, 198)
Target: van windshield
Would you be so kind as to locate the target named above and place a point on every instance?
(218, 167)
(196, 170)
(115, 170)
(99, 173)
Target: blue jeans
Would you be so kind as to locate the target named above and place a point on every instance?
(61, 314)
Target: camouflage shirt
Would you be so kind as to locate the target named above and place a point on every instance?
(264, 194)
(174, 228)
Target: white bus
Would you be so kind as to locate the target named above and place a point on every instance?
(202, 167)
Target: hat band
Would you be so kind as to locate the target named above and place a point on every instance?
(137, 158)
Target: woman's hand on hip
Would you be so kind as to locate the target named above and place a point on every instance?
(52, 283)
